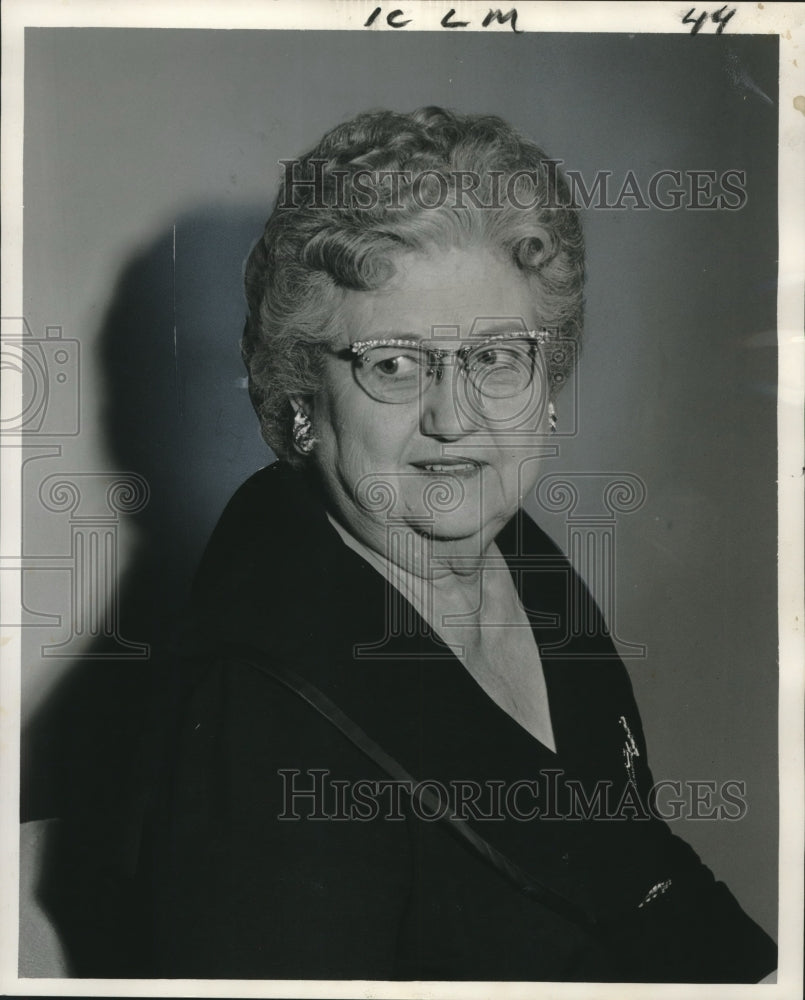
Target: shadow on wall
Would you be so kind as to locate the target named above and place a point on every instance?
(176, 412)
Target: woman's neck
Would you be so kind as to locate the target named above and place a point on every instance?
(428, 573)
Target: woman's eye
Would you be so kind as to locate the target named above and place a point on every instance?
(506, 356)
(389, 366)
(395, 366)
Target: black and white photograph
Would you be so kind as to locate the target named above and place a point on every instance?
(402, 538)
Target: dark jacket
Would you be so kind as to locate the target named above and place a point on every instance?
(239, 888)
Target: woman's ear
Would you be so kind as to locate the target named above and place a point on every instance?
(302, 404)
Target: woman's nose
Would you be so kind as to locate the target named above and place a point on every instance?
(440, 411)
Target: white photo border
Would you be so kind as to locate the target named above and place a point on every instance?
(787, 20)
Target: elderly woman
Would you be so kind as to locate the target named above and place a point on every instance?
(379, 767)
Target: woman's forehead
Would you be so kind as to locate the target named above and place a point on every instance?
(457, 294)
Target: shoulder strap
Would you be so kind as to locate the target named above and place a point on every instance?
(517, 876)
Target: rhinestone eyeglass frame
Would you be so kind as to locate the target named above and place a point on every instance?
(360, 348)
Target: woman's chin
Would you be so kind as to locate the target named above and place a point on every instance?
(451, 516)
(457, 526)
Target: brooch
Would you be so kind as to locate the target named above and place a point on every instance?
(630, 750)
(654, 891)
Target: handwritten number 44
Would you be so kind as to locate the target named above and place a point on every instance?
(718, 17)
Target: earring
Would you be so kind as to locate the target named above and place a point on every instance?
(552, 417)
(302, 428)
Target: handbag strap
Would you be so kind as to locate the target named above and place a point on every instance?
(517, 876)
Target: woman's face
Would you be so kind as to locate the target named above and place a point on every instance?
(450, 464)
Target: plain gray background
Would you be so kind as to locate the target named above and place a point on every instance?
(150, 167)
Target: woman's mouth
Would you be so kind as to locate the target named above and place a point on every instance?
(449, 466)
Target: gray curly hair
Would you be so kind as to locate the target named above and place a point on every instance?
(330, 231)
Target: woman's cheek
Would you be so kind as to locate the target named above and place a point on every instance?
(355, 464)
